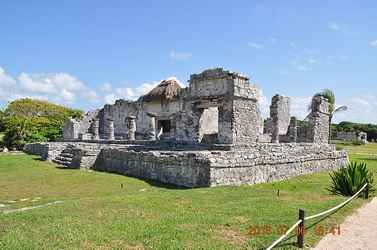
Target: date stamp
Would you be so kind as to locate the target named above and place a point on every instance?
(268, 229)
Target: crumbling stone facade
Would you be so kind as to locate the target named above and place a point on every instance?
(280, 117)
(207, 134)
(319, 121)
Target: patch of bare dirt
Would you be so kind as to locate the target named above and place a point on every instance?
(233, 236)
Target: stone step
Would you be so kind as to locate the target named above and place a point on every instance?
(66, 154)
(62, 158)
(64, 163)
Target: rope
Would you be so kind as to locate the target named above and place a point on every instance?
(314, 216)
(335, 208)
(284, 235)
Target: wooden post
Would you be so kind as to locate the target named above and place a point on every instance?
(366, 192)
(301, 228)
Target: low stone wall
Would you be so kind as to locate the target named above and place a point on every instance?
(190, 169)
(257, 163)
(47, 151)
(262, 163)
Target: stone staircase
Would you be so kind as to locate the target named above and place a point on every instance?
(66, 156)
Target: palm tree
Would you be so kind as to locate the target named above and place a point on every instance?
(330, 96)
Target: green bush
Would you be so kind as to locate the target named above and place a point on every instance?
(27, 120)
(350, 179)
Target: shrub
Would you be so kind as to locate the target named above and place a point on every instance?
(27, 120)
(350, 179)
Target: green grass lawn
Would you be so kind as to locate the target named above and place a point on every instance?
(108, 211)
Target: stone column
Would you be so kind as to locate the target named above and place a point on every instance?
(279, 112)
(131, 127)
(319, 121)
(292, 129)
(110, 130)
(95, 129)
(151, 132)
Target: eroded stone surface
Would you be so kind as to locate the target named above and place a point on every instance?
(209, 133)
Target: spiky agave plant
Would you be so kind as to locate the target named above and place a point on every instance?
(350, 179)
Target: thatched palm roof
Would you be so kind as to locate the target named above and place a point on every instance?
(167, 90)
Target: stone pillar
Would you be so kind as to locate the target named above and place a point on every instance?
(279, 112)
(292, 129)
(319, 121)
(110, 129)
(131, 127)
(151, 132)
(95, 129)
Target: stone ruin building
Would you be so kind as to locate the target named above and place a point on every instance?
(352, 136)
(209, 133)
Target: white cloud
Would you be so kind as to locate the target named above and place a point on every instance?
(61, 88)
(106, 87)
(264, 104)
(373, 43)
(7, 85)
(273, 40)
(110, 98)
(300, 66)
(293, 45)
(360, 109)
(255, 45)
(312, 60)
(180, 56)
(90, 95)
(299, 106)
(129, 93)
(334, 26)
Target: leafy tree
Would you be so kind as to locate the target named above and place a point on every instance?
(370, 129)
(2, 122)
(28, 120)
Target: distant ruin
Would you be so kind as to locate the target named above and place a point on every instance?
(209, 133)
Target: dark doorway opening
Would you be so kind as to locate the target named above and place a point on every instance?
(165, 125)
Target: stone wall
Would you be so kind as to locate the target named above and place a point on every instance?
(178, 168)
(256, 163)
(46, 151)
(246, 121)
(269, 162)
(346, 136)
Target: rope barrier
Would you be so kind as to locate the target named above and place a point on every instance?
(315, 216)
(339, 206)
(284, 235)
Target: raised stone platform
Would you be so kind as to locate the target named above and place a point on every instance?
(183, 165)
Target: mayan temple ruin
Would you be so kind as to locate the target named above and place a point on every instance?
(207, 134)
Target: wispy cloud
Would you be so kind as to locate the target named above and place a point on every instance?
(373, 43)
(334, 26)
(180, 56)
(58, 87)
(255, 45)
(300, 66)
(360, 109)
(311, 60)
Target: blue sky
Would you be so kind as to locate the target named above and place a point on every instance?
(86, 53)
